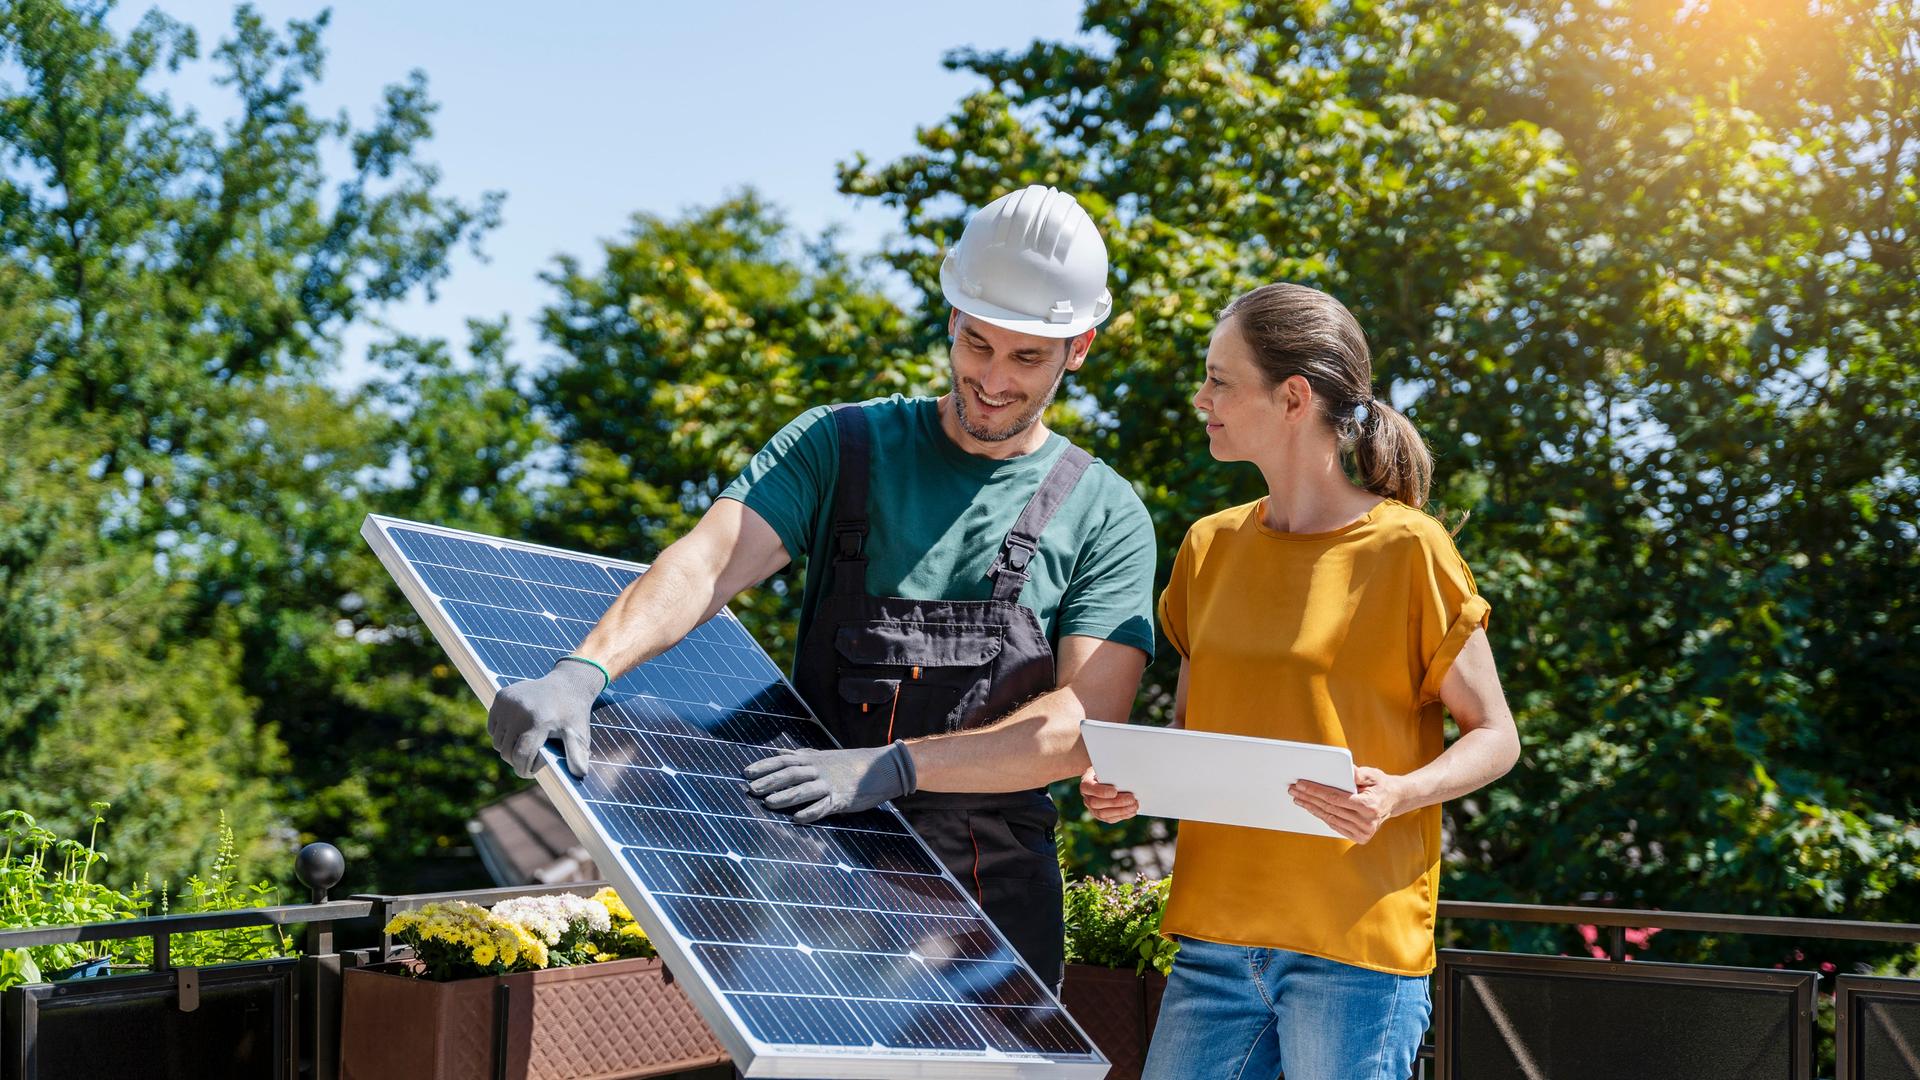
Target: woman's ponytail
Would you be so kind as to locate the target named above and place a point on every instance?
(1390, 459)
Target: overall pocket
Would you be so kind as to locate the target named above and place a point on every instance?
(929, 673)
(869, 707)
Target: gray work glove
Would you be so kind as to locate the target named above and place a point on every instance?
(825, 782)
(527, 714)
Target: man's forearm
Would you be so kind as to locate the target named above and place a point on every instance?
(1034, 746)
(732, 548)
(653, 613)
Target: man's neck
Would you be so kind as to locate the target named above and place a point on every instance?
(1020, 445)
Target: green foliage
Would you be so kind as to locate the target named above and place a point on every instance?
(51, 881)
(1645, 281)
(36, 631)
(394, 749)
(1115, 924)
(219, 890)
(185, 511)
(98, 693)
(693, 343)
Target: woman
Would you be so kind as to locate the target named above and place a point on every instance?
(1330, 611)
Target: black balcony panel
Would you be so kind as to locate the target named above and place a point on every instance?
(239, 1025)
(1876, 1031)
(1515, 1017)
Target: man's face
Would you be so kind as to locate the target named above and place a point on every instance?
(1004, 380)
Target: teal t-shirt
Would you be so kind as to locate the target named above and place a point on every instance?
(938, 514)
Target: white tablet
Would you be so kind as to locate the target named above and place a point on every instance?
(1207, 776)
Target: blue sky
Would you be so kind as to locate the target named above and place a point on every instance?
(584, 113)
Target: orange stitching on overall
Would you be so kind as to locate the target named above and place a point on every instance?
(977, 890)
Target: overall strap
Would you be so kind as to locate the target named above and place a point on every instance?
(1009, 570)
(847, 533)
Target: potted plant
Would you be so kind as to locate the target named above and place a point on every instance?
(538, 987)
(1117, 965)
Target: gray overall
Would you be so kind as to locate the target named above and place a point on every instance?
(879, 668)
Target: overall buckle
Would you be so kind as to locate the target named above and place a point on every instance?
(850, 540)
(1018, 552)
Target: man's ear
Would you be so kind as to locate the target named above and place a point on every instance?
(953, 323)
(1078, 348)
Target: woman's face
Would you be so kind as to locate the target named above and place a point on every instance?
(1243, 416)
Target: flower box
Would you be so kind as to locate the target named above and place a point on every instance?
(1118, 1009)
(622, 1018)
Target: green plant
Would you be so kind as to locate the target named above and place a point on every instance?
(1117, 924)
(219, 890)
(48, 882)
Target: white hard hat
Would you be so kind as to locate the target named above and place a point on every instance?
(1030, 261)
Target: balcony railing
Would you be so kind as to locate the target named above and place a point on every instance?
(1495, 1015)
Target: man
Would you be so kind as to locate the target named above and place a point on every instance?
(976, 585)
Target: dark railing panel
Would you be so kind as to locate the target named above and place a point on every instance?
(234, 1021)
(1501, 1016)
(1876, 1028)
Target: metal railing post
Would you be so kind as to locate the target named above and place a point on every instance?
(384, 908)
(317, 1013)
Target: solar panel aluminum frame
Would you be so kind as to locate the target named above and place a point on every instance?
(751, 1056)
(1851, 994)
(1454, 963)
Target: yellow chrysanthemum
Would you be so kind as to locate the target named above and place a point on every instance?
(615, 906)
(457, 938)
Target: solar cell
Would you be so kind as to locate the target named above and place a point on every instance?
(837, 949)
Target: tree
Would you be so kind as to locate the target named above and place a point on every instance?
(177, 291)
(1219, 147)
(97, 699)
(1644, 280)
(398, 757)
(684, 353)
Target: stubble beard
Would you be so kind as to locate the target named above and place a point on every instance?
(1020, 423)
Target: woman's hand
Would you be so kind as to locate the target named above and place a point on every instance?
(1356, 814)
(1106, 802)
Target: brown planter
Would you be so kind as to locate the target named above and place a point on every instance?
(1118, 1009)
(622, 1018)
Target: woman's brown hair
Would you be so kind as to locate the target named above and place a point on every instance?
(1294, 330)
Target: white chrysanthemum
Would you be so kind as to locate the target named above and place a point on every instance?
(550, 917)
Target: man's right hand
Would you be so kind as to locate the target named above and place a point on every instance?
(1106, 802)
(526, 715)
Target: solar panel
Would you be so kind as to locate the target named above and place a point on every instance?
(841, 949)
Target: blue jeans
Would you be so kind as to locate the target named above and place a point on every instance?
(1238, 1013)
